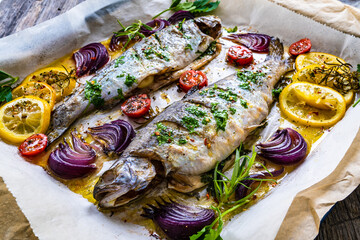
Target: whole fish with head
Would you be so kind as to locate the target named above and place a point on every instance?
(190, 136)
(153, 62)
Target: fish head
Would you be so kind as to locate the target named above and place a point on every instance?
(124, 182)
(210, 25)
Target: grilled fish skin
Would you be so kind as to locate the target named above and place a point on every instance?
(202, 129)
(165, 52)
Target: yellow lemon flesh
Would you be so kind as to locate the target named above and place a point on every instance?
(57, 78)
(320, 58)
(312, 104)
(313, 74)
(38, 89)
(23, 117)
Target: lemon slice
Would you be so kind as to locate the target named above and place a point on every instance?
(312, 104)
(39, 89)
(313, 74)
(61, 81)
(23, 117)
(320, 58)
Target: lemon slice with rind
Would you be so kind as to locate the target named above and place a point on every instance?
(23, 117)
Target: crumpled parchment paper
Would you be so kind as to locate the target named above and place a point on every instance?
(57, 213)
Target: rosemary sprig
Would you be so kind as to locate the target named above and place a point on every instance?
(133, 31)
(224, 191)
(339, 76)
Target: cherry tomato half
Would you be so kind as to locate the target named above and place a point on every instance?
(192, 78)
(34, 145)
(239, 55)
(299, 47)
(136, 106)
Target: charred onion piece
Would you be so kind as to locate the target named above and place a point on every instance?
(241, 190)
(114, 136)
(90, 58)
(285, 147)
(180, 15)
(179, 221)
(253, 41)
(70, 163)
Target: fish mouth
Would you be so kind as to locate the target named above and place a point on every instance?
(124, 182)
(210, 25)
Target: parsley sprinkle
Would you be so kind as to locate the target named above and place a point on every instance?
(221, 118)
(119, 61)
(195, 111)
(246, 77)
(232, 110)
(93, 93)
(182, 141)
(232, 30)
(120, 94)
(190, 123)
(163, 135)
(243, 103)
(188, 46)
(130, 80)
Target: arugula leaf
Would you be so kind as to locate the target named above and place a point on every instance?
(6, 80)
(93, 93)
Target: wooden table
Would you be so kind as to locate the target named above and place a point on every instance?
(342, 222)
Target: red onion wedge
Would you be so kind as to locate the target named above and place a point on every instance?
(117, 42)
(70, 163)
(90, 58)
(179, 221)
(285, 147)
(241, 190)
(114, 136)
(253, 41)
(156, 25)
(180, 16)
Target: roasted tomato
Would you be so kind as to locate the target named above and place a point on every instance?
(299, 47)
(34, 145)
(239, 55)
(136, 106)
(192, 78)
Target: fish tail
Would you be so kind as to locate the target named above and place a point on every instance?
(276, 51)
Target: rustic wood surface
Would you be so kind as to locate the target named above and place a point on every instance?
(342, 222)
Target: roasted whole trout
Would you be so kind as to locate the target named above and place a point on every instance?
(151, 63)
(190, 136)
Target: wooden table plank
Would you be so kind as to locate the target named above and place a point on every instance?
(342, 222)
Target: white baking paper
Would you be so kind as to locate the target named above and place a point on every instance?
(55, 212)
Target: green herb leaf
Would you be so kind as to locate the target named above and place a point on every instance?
(232, 110)
(232, 30)
(182, 141)
(190, 123)
(6, 80)
(276, 92)
(195, 111)
(132, 31)
(243, 103)
(188, 46)
(93, 93)
(163, 134)
(130, 80)
(120, 95)
(119, 61)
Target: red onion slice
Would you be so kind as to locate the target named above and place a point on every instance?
(90, 58)
(179, 221)
(70, 163)
(291, 150)
(241, 190)
(253, 41)
(156, 25)
(180, 16)
(115, 136)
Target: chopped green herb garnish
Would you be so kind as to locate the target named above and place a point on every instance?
(163, 134)
(6, 80)
(228, 95)
(246, 77)
(205, 121)
(221, 118)
(195, 111)
(190, 123)
(130, 80)
(119, 61)
(182, 141)
(276, 92)
(188, 46)
(148, 51)
(232, 110)
(209, 51)
(132, 31)
(120, 95)
(93, 93)
(214, 106)
(232, 30)
(243, 103)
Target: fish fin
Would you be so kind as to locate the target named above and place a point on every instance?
(276, 49)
